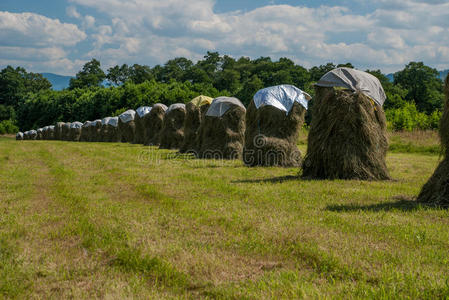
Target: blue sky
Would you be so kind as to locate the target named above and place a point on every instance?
(60, 36)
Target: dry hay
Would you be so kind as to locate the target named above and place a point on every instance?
(19, 136)
(75, 131)
(436, 191)
(347, 138)
(172, 133)
(139, 133)
(126, 126)
(222, 137)
(271, 136)
(65, 132)
(58, 131)
(85, 132)
(195, 112)
(153, 122)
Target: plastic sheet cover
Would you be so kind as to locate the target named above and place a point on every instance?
(76, 125)
(113, 121)
(105, 121)
(143, 110)
(163, 106)
(221, 105)
(19, 135)
(201, 100)
(175, 106)
(87, 124)
(355, 80)
(128, 116)
(282, 97)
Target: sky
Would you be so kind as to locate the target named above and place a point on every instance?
(60, 36)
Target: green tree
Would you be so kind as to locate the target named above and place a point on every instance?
(423, 86)
(317, 72)
(90, 76)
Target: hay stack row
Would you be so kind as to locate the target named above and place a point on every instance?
(347, 136)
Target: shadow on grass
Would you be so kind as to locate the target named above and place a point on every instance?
(279, 179)
(403, 203)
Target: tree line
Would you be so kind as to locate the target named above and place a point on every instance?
(414, 98)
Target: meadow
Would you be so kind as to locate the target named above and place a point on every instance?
(105, 220)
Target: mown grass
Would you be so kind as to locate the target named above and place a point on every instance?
(96, 220)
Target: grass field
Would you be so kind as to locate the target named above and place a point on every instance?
(96, 220)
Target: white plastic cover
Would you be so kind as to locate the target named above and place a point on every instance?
(40, 130)
(19, 135)
(175, 106)
(87, 124)
(113, 121)
(51, 127)
(127, 116)
(282, 97)
(143, 110)
(105, 121)
(221, 105)
(355, 80)
(33, 132)
(76, 125)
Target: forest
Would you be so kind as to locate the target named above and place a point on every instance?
(27, 100)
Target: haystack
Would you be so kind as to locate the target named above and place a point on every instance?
(19, 136)
(85, 132)
(51, 132)
(273, 120)
(39, 135)
(58, 131)
(222, 133)
(347, 138)
(45, 133)
(153, 122)
(126, 126)
(195, 112)
(103, 136)
(65, 132)
(436, 191)
(112, 132)
(75, 131)
(32, 134)
(139, 134)
(172, 133)
(94, 130)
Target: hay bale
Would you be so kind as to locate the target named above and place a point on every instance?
(222, 133)
(51, 132)
(45, 133)
(85, 132)
(19, 136)
(58, 131)
(347, 138)
(126, 126)
(39, 134)
(139, 135)
(32, 134)
(436, 190)
(195, 112)
(94, 130)
(273, 120)
(112, 132)
(75, 131)
(153, 123)
(65, 132)
(103, 136)
(172, 133)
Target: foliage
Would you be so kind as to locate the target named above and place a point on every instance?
(8, 126)
(90, 76)
(409, 118)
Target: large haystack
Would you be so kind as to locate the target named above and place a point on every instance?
(172, 134)
(19, 136)
(347, 138)
(85, 132)
(139, 134)
(58, 131)
(51, 132)
(153, 122)
(195, 112)
(436, 191)
(45, 133)
(65, 132)
(222, 133)
(126, 126)
(32, 134)
(103, 135)
(273, 120)
(75, 131)
(112, 132)
(94, 131)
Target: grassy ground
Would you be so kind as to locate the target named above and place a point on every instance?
(116, 220)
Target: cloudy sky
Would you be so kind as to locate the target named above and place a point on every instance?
(60, 36)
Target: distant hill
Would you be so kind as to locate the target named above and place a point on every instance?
(442, 76)
(59, 82)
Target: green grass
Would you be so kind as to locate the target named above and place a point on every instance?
(97, 220)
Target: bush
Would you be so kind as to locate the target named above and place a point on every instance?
(409, 118)
(8, 126)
